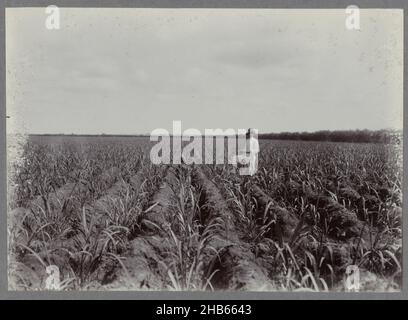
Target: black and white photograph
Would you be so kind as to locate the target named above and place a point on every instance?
(204, 149)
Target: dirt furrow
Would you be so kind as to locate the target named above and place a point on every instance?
(160, 215)
(287, 228)
(285, 222)
(143, 260)
(115, 194)
(58, 200)
(234, 265)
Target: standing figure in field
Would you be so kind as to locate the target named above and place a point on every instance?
(252, 150)
(247, 159)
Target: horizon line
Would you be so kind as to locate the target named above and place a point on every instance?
(173, 135)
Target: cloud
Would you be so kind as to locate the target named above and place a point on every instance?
(254, 57)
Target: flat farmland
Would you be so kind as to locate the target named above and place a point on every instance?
(109, 219)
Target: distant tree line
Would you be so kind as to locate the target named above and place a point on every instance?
(363, 136)
(367, 136)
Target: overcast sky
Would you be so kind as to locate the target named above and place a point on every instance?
(133, 70)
